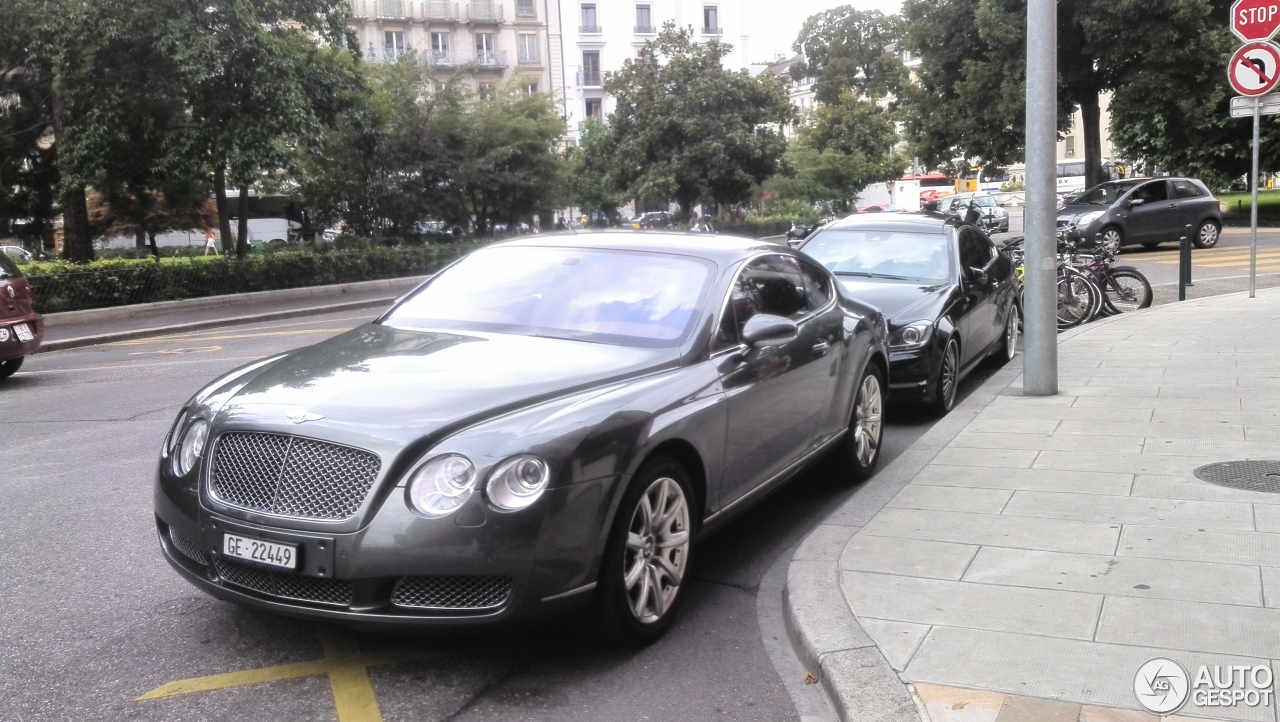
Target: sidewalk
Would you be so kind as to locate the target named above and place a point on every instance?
(1028, 555)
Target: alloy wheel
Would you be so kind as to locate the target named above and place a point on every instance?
(868, 421)
(1208, 237)
(1011, 334)
(1111, 236)
(657, 550)
(948, 376)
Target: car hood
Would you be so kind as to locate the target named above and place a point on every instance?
(393, 382)
(901, 302)
(1075, 210)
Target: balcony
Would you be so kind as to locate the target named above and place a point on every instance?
(526, 9)
(439, 58)
(388, 54)
(394, 9)
(646, 30)
(590, 79)
(484, 12)
(494, 59)
(590, 30)
(713, 31)
(435, 11)
(358, 9)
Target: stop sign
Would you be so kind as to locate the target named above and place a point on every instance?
(1255, 19)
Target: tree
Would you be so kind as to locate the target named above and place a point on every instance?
(28, 159)
(848, 48)
(687, 129)
(841, 149)
(588, 180)
(107, 218)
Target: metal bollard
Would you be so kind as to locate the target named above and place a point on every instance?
(1184, 264)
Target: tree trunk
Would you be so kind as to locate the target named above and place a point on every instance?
(77, 246)
(242, 233)
(155, 250)
(1092, 128)
(224, 217)
(140, 238)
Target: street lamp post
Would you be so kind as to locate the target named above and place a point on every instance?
(1040, 336)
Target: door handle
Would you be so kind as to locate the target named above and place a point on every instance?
(821, 347)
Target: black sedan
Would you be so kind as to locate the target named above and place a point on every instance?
(949, 293)
(544, 424)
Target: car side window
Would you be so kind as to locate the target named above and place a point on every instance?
(769, 284)
(1152, 192)
(975, 250)
(1186, 189)
(817, 285)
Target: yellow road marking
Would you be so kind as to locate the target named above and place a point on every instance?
(197, 349)
(344, 663)
(138, 366)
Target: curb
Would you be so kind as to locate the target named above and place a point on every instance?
(826, 635)
(81, 341)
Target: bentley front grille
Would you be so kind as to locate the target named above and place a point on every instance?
(291, 476)
(442, 592)
(335, 592)
(188, 549)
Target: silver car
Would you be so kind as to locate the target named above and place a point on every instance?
(1146, 211)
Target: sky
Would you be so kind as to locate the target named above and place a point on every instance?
(774, 25)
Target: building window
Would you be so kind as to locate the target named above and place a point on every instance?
(595, 109)
(484, 47)
(589, 19)
(525, 9)
(644, 19)
(591, 69)
(528, 47)
(393, 43)
(710, 20)
(440, 50)
(1071, 146)
(531, 88)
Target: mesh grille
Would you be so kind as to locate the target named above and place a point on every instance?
(189, 550)
(336, 592)
(452, 592)
(292, 476)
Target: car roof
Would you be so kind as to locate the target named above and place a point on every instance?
(712, 246)
(916, 222)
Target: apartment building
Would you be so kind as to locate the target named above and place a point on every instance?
(597, 36)
(488, 41)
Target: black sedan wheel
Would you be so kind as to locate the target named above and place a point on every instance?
(647, 555)
(948, 378)
(1009, 344)
(10, 367)
(861, 446)
(1207, 235)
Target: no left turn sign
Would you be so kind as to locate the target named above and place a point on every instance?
(1255, 68)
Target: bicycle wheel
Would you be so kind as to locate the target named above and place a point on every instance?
(1126, 289)
(1078, 298)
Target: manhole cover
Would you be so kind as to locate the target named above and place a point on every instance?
(1250, 474)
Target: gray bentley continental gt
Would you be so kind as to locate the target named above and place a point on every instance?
(544, 424)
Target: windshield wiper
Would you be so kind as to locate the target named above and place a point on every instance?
(864, 274)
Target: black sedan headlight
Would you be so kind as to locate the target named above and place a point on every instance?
(911, 337)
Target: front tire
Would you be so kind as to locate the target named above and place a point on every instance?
(647, 555)
(1113, 236)
(861, 444)
(10, 367)
(1207, 235)
(948, 378)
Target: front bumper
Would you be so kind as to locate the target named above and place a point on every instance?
(911, 374)
(506, 569)
(13, 348)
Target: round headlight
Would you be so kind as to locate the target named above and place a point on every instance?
(442, 485)
(912, 335)
(191, 447)
(518, 482)
(171, 440)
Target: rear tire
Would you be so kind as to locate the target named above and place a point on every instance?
(860, 447)
(10, 367)
(1207, 234)
(647, 555)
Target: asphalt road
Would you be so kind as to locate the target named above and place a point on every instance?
(93, 618)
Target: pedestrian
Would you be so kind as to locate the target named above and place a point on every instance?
(209, 246)
(560, 224)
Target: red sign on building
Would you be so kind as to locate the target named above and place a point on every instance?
(1255, 19)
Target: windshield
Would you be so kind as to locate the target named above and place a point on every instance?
(1103, 195)
(902, 256)
(618, 297)
(8, 269)
(984, 201)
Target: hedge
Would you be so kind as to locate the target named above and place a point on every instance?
(62, 286)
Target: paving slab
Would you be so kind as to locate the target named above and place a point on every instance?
(1207, 545)
(996, 530)
(1189, 487)
(1133, 510)
(907, 557)
(942, 498)
(898, 640)
(1191, 626)
(1081, 482)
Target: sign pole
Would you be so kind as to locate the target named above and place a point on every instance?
(1253, 216)
(1040, 339)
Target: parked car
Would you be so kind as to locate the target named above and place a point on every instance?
(882, 208)
(17, 253)
(950, 296)
(652, 219)
(1146, 211)
(991, 217)
(21, 328)
(548, 423)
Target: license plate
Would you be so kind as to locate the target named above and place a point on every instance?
(257, 551)
(24, 333)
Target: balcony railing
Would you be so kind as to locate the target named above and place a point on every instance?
(646, 30)
(440, 12)
(529, 59)
(713, 31)
(439, 58)
(484, 12)
(395, 9)
(589, 79)
(358, 9)
(491, 58)
(388, 53)
(526, 9)
(590, 29)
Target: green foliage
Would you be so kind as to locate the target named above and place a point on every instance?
(64, 286)
(588, 178)
(847, 48)
(28, 169)
(687, 129)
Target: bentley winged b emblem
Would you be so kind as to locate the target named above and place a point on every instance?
(299, 417)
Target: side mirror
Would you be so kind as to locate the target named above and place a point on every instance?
(764, 329)
(1136, 202)
(978, 276)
